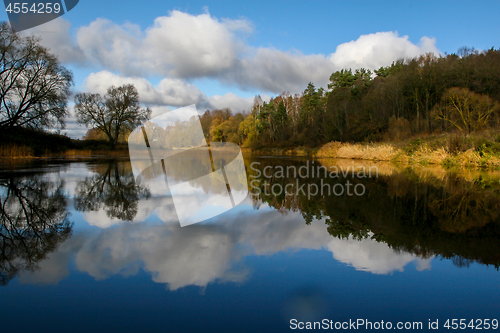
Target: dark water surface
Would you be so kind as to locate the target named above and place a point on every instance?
(84, 248)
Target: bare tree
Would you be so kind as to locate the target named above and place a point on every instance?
(34, 87)
(119, 109)
(33, 222)
(465, 109)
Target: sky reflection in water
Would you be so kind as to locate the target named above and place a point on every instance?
(246, 270)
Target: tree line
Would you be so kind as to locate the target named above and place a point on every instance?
(426, 94)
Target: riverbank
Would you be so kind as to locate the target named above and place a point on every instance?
(22, 143)
(480, 150)
(449, 150)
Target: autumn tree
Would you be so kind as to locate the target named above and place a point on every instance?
(118, 110)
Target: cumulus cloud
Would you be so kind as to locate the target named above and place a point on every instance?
(379, 49)
(111, 46)
(193, 46)
(173, 255)
(277, 71)
(230, 100)
(169, 92)
(55, 35)
(182, 46)
(174, 92)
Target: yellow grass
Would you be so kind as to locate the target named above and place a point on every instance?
(446, 150)
(14, 151)
(74, 152)
(380, 152)
(382, 168)
(423, 155)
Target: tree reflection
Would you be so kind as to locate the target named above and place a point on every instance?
(112, 188)
(451, 217)
(33, 222)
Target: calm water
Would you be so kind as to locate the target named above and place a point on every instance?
(84, 248)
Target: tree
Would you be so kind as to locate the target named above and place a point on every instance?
(33, 222)
(94, 134)
(117, 111)
(113, 189)
(465, 109)
(34, 87)
(341, 79)
(247, 131)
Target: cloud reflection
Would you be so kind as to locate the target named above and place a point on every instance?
(206, 253)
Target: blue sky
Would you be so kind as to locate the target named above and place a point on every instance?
(218, 54)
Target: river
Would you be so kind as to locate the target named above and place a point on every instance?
(87, 248)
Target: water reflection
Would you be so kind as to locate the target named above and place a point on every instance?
(203, 254)
(33, 222)
(448, 215)
(403, 217)
(112, 188)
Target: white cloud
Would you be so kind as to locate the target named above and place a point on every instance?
(193, 46)
(111, 46)
(174, 255)
(230, 100)
(179, 45)
(157, 110)
(372, 256)
(169, 92)
(277, 71)
(55, 35)
(184, 46)
(379, 49)
(174, 92)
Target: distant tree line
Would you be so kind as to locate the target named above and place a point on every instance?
(426, 94)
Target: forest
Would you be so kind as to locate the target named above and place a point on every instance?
(428, 94)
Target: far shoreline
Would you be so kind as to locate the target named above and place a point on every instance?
(449, 150)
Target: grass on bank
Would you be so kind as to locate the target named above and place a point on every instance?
(480, 150)
(27, 143)
(15, 151)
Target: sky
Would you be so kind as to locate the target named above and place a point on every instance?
(221, 54)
